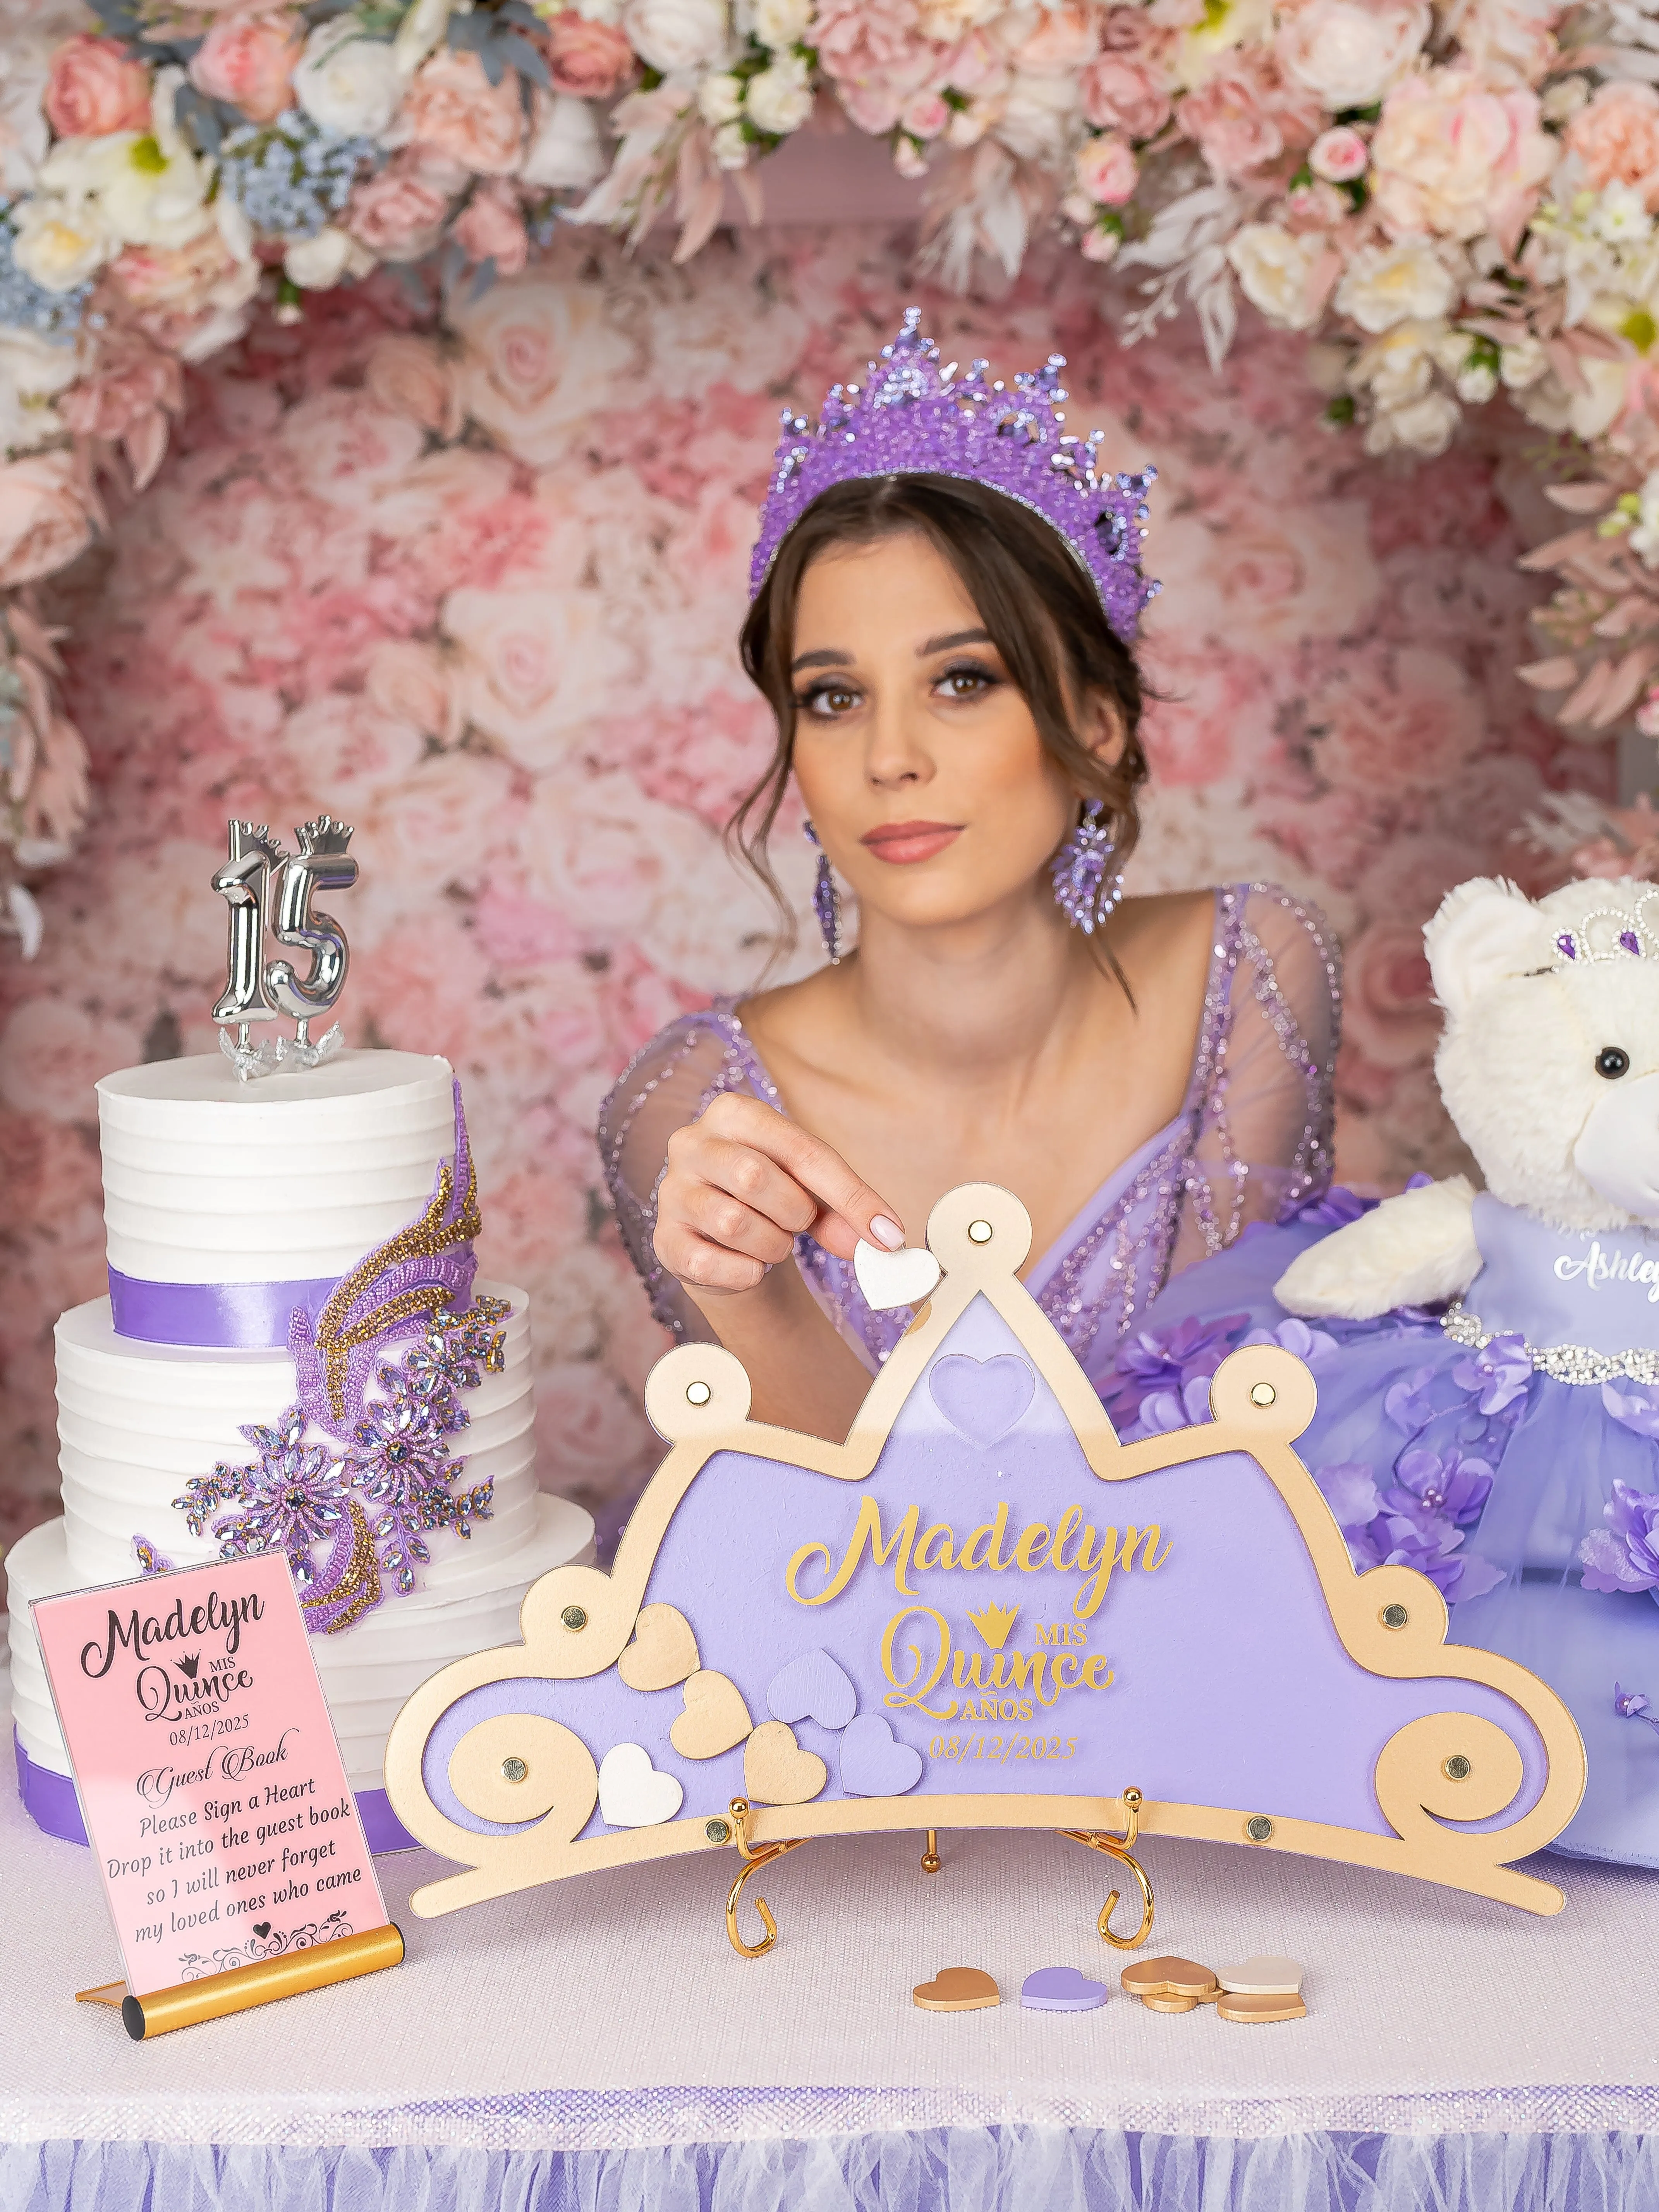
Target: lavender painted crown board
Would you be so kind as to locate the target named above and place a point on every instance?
(1031, 1618)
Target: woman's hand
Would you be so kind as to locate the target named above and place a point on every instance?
(742, 1183)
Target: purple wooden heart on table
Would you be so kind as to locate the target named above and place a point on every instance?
(813, 1688)
(872, 1764)
(982, 1399)
(1061, 1988)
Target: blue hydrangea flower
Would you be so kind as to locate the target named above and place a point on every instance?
(27, 305)
(289, 177)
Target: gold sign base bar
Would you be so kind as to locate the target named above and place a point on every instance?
(263, 1982)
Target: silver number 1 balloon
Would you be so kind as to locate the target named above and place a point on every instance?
(244, 882)
(321, 864)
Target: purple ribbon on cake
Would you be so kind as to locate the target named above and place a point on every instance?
(218, 1316)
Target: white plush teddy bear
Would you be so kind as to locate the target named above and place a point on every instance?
(1549, 1066)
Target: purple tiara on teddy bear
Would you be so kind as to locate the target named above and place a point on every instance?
(913, 418)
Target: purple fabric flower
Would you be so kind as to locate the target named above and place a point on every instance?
(1497, 1375)
(1310, 1346)
(1624, 1555)
(1166, 1360)
(1410, 1404)
(1428, 1542)
(1350, 1492)
(1448, 1486)
(1633, 1405)
(1162, 1411)
(1335, 1209)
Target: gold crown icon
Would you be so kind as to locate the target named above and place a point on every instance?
(994, 1623)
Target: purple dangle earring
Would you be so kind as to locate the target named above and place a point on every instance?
(826, 900)
(1086, 890)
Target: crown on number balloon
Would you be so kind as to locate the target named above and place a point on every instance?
(911, 417)
(268, 889)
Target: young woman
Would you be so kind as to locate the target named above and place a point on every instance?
(945, 597)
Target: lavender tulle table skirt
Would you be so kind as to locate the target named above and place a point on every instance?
(596, 2045)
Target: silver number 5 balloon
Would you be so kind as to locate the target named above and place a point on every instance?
(321, 864)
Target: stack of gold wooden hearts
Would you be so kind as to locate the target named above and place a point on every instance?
(1260, 1989)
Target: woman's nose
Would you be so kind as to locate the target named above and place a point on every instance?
(896, 753)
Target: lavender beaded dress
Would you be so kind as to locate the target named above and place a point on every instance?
(1251, 1142)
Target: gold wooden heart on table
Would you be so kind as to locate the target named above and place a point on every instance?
(715, 1719)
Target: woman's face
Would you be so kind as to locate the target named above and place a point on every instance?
(918, 759)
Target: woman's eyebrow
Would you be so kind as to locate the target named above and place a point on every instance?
(956, 637)
(826, 657)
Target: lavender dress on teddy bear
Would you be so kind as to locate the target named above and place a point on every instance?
(1488, 1364)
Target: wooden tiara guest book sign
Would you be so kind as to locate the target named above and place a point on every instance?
(982, 1611)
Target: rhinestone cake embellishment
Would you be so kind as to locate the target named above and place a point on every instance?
(913, 418)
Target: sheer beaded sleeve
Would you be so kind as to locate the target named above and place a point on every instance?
(1263, 1145)
(666, 1085)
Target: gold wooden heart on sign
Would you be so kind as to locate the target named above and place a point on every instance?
(776, 1770)
(715, 1719)
(663, 1651)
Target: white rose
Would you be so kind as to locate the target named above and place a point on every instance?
(1560, 101)
(780, 98)
(1388, 285)
(1349, 52)
(731, 146)
(1037, 117)
(1425, 427)
(347, 82)
(720, 97)
(419, 34)
(1398, 367)
(1588, 412)
(671, 35)
(60, 242)
(780, 23)
(1476, 383)
(147, 195)
(564, 152)
(317, 264)
(1522, 364)
(1272, 268)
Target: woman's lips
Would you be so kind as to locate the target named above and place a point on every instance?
(903, 841)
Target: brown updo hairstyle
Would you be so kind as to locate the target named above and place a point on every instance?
(1038, 604)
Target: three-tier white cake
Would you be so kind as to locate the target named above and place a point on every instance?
(335, 1194)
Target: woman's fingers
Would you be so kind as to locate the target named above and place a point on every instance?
(845, 1207)
(706, 1267)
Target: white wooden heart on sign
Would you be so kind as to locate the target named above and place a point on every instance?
(632, 1793)
(894, 1278)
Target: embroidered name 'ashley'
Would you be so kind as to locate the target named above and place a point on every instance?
(1596, 1266)
(985, 1549)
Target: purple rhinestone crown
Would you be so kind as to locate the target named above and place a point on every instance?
(912, 419)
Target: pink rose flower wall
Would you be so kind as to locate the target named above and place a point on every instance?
(479, 590)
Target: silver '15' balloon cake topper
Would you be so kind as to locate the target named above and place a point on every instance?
(268, 889)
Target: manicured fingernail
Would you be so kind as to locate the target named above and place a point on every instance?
(887, 1232)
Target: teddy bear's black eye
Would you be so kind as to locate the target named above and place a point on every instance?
(1612, 1062)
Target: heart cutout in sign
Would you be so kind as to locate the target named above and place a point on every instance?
(957, 1989)
(632, 1792)
(872, 1764)
(715, 1719)
(663, 1651)
(982, 1399)
(894, 1278)
(813, 1688)
(776, 1770)
(262, 1928)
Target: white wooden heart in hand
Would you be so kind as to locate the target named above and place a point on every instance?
(894, 1278)
(632, 1792)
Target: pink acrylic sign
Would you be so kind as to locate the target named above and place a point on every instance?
(210, 1780)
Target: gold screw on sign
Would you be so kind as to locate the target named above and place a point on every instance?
(1121, 1848)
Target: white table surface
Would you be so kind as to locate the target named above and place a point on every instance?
(609, 2009)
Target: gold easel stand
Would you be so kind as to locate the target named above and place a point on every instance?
(1121, 1848)
(262, 1982)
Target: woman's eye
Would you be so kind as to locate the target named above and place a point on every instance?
(830, 700)
(1612, 1062)
(964, 682)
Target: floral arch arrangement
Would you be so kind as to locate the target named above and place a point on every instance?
(1453, 201)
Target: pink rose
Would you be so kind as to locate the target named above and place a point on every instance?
(593, 60)
(127, 401)
(590, 1436)
(1451, 156)
(1617, 138)
(877, 54)
(55, 1049)
(46, 515)
(410, 376)
(248, 62)
(1411, 732)
(1338, 156)
(1232, 121)
(94, 89)
(491, 228)
(453, 108)
(398, 214)
(1064, 39)
(1107, 170)
(924, 116)
(1389, 1008)
(410, 681)
(1121, 94)
(1348, 53)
